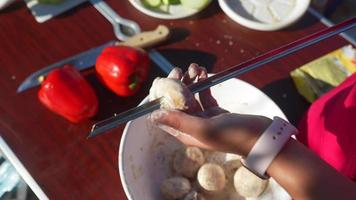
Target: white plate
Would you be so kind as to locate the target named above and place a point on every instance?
(44, 12)
(175, 11)
(240, 11)
(143, 162)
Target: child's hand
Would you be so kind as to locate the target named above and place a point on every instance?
(207, 106)
(207, 125)
(226, 132)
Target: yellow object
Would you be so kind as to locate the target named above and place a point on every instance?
(319, 76)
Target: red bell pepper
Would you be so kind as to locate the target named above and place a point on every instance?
(123, 69)
(68, 94)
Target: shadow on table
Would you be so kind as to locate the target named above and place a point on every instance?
(286, 96)
(307, 20)
(208, 12)
(74, 10)
(109, 102)
(184, 57)
(177, 34)
(13, 7)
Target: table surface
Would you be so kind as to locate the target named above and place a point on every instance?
(57, 154)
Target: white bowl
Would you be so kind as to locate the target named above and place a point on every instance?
(175, 11)
(240, 14)
(144, 150)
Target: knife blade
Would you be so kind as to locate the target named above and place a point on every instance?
(160, 60)
(234, 71)
(87, 58)
(80, 61)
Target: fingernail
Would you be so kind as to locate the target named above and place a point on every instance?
(193, 65)
(155, 81)
(169, 130)
(193, 71)
(176, 73)
(157, 114)
(178, 70)
(203, 75)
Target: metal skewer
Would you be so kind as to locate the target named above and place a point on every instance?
(232, 72)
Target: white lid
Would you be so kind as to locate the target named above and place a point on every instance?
(264, 15)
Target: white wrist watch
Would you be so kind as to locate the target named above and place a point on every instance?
(268, 146)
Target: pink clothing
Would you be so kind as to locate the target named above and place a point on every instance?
(329, 127)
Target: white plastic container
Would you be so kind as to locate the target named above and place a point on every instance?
(265, 15)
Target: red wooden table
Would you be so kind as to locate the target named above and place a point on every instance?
(55, 152)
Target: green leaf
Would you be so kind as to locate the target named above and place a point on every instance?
(152, 3)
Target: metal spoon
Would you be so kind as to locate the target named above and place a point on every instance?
(123, 28)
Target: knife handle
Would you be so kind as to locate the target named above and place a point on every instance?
(147, 38)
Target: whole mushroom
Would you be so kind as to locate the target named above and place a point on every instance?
(211, 177)
(175, 188)
(187, 161)
(214, 157)
(175, 95)
(231, 167)
(248, 184)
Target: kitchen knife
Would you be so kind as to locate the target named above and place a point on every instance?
(237, 70)
(87, 59)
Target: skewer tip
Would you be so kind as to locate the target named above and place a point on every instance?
(92, 132)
